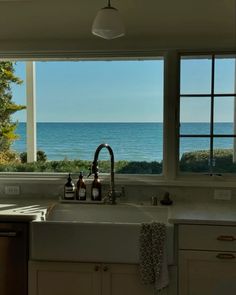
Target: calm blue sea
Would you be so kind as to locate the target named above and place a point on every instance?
(130, 141)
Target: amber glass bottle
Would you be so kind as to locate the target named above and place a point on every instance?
(69, 189)
(81, 188)
(96, 189)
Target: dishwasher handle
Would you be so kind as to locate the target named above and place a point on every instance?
(8, 234)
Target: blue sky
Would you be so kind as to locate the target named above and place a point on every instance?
(123, 91)
(104, 91)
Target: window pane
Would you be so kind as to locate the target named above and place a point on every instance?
(83, 104)
(195, 75)
(194, 154)
(224, 156)
(224, 115)
(225, 78)
(195, 115)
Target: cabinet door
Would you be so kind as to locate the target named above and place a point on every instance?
(13, 258)
(56, 278)
(207, 273)
(123, 279)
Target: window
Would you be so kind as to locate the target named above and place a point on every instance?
(81, 104)
(207, 135)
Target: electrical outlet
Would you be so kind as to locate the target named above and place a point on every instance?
(222, 194)
(12, 190)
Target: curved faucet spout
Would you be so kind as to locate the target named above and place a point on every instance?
(94, 168)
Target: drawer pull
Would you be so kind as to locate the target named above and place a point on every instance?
(225, 256)
(96, 268)
(8, 234)
(226, 238)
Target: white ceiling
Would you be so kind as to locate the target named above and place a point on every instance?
(149, 23)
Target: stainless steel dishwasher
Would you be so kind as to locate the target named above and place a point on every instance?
(13, 258)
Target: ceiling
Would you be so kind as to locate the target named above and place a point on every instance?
(150, 24)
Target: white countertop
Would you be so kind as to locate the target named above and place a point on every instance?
(23, 210)
(215, 213)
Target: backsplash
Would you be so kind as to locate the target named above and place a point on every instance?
(129, 193)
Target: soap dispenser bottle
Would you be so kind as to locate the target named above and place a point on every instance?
(96, 189)
(81, 188)
(69, 189)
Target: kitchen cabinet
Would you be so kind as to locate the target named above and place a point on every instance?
(207, 260)
(13, 258)
(60, 278)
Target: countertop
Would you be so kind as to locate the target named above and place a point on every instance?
(211, 213)
(23, 210)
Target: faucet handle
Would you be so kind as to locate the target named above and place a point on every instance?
(112, 196)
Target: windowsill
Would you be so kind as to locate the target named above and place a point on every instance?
(125, 179)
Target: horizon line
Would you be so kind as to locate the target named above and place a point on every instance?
(126, 122)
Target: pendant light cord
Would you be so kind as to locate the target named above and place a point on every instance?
(109, 3)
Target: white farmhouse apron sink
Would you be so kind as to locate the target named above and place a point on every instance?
(95, 233)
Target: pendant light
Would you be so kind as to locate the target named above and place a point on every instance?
(108, 23)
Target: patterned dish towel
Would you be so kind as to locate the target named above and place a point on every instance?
(152, 255)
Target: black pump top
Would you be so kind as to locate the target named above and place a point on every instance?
(69, 181)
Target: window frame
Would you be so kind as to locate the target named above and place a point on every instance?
(171, 175)
(31, 128)
(211, 175)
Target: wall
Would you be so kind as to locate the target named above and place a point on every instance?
(133, 192)
(63, 27)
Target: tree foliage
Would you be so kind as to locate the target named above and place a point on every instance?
(7, 106)
(41, 157)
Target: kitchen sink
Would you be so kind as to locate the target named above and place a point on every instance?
(95, 233)
(127, 213)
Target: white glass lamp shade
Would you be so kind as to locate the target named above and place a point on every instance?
(108, 24)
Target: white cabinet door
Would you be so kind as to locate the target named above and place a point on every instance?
(56, 278)
(62, 278)
(122, 279)
(207, 273)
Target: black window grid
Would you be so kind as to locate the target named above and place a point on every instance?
(212, 95)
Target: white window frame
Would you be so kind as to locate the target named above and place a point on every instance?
(171, 175)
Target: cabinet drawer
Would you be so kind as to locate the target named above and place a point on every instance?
(207, 237)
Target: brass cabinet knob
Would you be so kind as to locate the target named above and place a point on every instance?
(105, 268)
(96, 268)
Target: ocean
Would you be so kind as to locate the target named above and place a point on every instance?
(129, 141)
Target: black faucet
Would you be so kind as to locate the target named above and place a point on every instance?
(94, 169)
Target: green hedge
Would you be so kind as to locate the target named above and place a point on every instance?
(76, 166)
(198, 161)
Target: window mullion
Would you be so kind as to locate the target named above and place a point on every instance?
(171, 94)
(211, 160)
(234, 143)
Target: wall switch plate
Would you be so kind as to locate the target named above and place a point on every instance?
(222, 194)
(12, 190)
